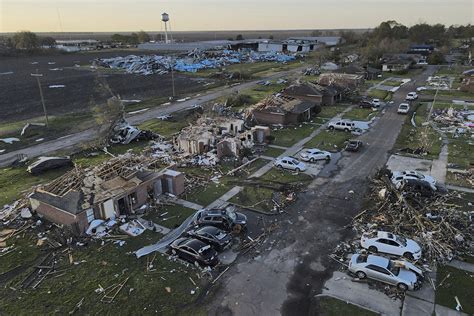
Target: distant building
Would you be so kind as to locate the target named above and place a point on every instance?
(326, 40)
(78, 45)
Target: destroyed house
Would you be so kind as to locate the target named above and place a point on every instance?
(342, 80)
(312, 92)
(227, 135)
(115, 188)
(284, 110)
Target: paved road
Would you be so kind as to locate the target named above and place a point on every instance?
(69, 141)
(294, 264)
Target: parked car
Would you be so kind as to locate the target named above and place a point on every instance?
(403, 108)
(194, 250)
(289, 163)
(364, 104)
(402, 274)
(354, 145)
(421, 89)
(399, 176)
(212, 235)
(392, 244)
(411, 96)
(418, 186)
(376, 103)
(43, 164)
(314, 154)
(225, 218)
(342, 125)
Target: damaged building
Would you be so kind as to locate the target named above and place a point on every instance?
(226, 135)
(284, 110)
(313, 92)
(115, 188)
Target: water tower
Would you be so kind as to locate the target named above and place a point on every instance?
(165, 19)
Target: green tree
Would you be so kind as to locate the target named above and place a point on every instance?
(239, 37)
(436, 58)
(143, 37)
(270, 37)
(48, 41)
(25, 40)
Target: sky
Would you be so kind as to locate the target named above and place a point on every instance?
(215, 15)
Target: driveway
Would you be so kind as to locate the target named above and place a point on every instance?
(294, 266)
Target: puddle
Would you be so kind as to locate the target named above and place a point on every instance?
(331, 166)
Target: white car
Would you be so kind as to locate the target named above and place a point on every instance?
(392, 244)
(314, 154)
(419, 89)
(403, 108)
(342, 125)
(399, 176)
(411, 96)
(402, 274)
(289, 163)
(376, 103)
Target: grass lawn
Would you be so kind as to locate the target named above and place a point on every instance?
(273, 152)
(17, 181)
(330, 111)
(285, 176)
(288, 136)
(207, 195)
(359, 114)
(450, 93)
(460, 283)
(255, 197)
(380, 94)
(58, 126)
(392, 83)
(461, 152)
(175, 215)
(329, 140)
(167, 128)
(329, 306)
(101, 267)
(416, 137)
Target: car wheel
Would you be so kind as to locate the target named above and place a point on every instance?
(311, 160)
(361, 275)
(403, 287)
(297, 169)
(408, 255)
(346, 130)
(328, 157)
(331, 127)
(279, 167)
(173, 252)
(373, 249)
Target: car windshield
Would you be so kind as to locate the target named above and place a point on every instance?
(205, 251)
(221, 235)
(295, 161)
(231, 214)
(401, 240)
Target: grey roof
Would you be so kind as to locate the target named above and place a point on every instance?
(303, 107)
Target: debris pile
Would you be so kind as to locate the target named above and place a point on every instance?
(193, 62)
(440, 226)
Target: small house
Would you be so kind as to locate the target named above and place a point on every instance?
(283, 109)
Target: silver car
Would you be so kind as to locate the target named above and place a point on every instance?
(402, 274)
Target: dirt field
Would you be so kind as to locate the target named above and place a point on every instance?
(19, 93)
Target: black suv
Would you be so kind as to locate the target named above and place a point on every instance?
(225, 218)
(194, 250)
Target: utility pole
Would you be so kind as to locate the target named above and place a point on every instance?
(37, 75)
(172, 76)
